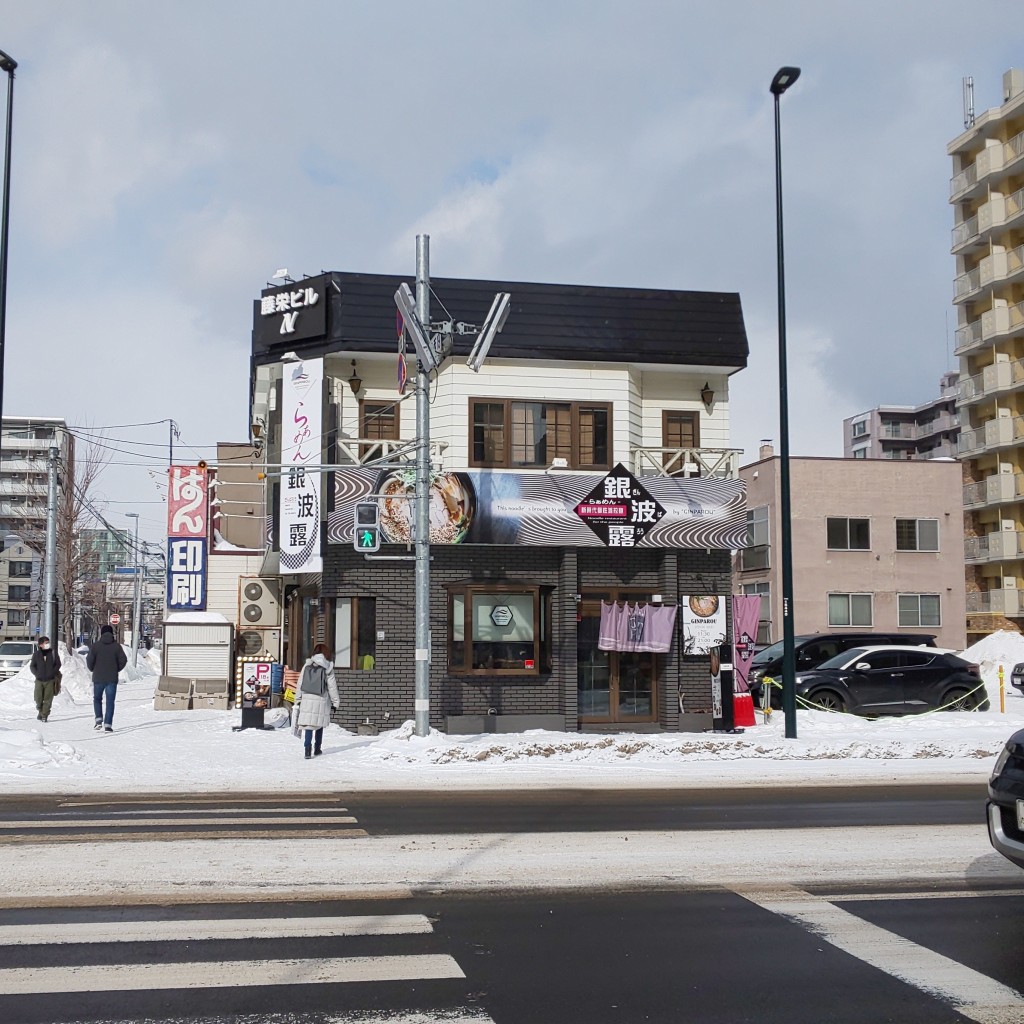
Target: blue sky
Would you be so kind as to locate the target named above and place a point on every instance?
(169, 157)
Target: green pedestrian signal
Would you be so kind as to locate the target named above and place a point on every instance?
(366, 526)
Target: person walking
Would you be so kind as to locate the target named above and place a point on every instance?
(106, 658)
(45, 667)
(315, 695)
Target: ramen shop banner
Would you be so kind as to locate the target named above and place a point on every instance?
(703, 623)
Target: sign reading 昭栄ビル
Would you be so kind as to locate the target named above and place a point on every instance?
(620, 510)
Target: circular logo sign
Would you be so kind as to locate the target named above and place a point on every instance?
(115, 619)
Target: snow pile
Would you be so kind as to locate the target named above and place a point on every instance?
(24, 751)
(1002, 648)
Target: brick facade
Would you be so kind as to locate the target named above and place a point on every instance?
(383, 697)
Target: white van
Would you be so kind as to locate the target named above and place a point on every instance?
(14, 656)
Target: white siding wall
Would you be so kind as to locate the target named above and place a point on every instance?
(223, 571)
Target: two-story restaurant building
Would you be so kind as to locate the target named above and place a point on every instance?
(589, 395)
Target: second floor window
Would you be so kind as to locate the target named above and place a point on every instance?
(848, 534)
(20, 569)
(917, 535)
(755, 554)
(18, 593)
(530, 435)
(379, 421)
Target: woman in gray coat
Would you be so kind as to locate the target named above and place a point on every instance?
(315, 695)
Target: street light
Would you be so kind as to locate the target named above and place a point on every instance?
(7, 64)
(783, 79)
(137, 604)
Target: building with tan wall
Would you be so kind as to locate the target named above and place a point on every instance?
(877, 544)
(987, 195)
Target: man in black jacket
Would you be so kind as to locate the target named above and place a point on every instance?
(105, 660)
(45, 665)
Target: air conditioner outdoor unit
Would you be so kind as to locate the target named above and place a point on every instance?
(258, 603)
(252, 642)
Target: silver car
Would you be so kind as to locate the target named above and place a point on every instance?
(14, 656)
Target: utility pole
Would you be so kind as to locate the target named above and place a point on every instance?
(422, 704)
(137, 603)
(49, 569)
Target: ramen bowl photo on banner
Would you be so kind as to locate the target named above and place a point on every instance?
(703, 622)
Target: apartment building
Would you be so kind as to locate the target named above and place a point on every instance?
(24, 473)
(987, 195)
(877, 544)
(587, 392)
(928, 431)
(20, 573)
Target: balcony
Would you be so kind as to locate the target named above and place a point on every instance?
(368, 451)
(991, 160)
(966, 284)
(966, 232)
(998, 212)
(995, 433)
(994, 602)
(998, 489)
(994, 323)
(967, 337)
(994, 378)
(1000, 267)
(707, 463)
(998, 546)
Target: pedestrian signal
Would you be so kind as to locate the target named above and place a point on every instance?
(366, 529)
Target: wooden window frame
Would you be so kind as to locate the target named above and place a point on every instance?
(505, 462)
(542, 608)
(668, 414)
(367, 449)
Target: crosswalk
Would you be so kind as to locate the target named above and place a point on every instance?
(162, 817)
(151, 965)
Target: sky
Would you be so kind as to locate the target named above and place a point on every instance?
(168, 158)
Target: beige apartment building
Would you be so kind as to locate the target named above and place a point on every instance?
(987, 194)
(877, 544)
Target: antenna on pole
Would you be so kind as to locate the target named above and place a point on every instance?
(968, 83)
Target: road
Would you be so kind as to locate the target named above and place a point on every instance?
(860, 917)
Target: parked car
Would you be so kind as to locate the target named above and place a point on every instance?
(14, 656)
(1005, 807)
(893, 680)
(1017, 676)
(813, 649)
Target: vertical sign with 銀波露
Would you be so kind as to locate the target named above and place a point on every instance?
(187, 526)
(301, 444)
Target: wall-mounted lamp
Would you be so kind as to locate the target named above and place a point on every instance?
(355, 382)
(707, 396)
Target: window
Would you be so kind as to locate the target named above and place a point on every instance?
(499, 631)
(860, 428)
(17, 616)
(917, 535)
(20, 569)
(379, 421)
(755, 554)
(17, 593)
(679, 431)
(848, 534)
(849, 609)
(355, 633)
(919, 610)
(764, 623)
(530, 435)
(860, 453)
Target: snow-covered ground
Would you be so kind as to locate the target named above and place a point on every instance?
(192, 751)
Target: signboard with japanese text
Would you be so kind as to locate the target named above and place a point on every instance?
(301, 442)
(540, 509)
(294, 312)
(187, 531)
(187, 488)
(186, 573)
(620, 510)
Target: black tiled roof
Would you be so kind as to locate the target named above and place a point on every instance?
(546, 321)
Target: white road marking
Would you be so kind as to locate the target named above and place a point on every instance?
(972, 994)
(225, 974)
(937, 894)
(323, 819)
(157, 811)
(197, 931)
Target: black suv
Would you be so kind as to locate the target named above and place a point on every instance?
(1006, 801)
(811, 650)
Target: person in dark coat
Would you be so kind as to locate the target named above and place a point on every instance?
(106, 658)
(45, 665)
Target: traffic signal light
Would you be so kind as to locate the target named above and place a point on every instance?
(366, 531)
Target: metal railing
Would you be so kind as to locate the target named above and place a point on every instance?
(968, 336)
(967, 283)
(965, 231)
(964, 180)
(714, 463)
(975, 547)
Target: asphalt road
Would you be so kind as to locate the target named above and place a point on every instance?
(69, 819)
(703, 957)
